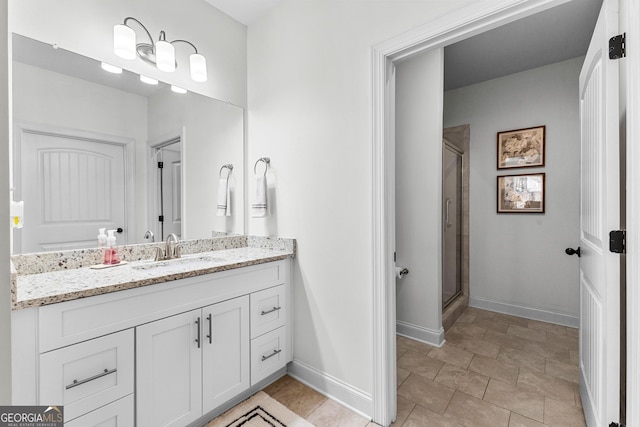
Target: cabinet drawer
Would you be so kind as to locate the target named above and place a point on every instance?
(268, 354)
(85, 376)
(268, 310)
(115, 414)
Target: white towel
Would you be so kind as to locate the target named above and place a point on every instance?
(259, 205)
(224, 198)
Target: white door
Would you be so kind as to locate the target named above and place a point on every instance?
(71, 186)
(225, 351)
(171, 190)
(169, 371)
(599, 213)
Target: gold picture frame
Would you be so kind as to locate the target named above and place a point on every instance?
(521, 148)
(521, 193)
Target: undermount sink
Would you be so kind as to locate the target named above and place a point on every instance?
(185, 261)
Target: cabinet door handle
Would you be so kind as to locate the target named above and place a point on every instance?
(210, 336)
(271, 355)
(198, 331)
(76, 383)
(264, 313)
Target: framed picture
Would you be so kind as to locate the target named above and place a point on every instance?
(521, 193)
(521, 148)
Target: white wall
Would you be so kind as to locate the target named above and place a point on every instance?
(310, 111)
(517, 261)
(214, 135)
(5, 155)
(419, 87)
(86, 27)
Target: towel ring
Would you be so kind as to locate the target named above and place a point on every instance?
(266, 161)
(227, 166)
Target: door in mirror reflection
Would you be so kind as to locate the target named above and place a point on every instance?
(169, 190)
(73, 184)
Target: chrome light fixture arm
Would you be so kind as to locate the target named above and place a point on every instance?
(187, 42)
(131, 18)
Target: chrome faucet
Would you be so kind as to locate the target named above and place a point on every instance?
(172, 250)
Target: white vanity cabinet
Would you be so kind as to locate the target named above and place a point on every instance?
(172, 353)
(190, 363)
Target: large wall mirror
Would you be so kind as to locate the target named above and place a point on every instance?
(95, 149)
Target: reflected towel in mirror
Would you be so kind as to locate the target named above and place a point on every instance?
(224, 198)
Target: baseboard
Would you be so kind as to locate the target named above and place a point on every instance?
(333, 388)
(526, 312)
(420, 333)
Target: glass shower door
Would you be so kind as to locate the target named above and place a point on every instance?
(452, 224)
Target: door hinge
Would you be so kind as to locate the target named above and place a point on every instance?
(617, 241)
(161, 218)
(617, 46)
(160, 165)
(394, 257)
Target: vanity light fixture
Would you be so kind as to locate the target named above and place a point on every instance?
(111, 68)
(178, 89)
(160, 54)
(148, 80)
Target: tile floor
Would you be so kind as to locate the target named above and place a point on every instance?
(494, 370)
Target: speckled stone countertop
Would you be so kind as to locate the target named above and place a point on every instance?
(52, 277)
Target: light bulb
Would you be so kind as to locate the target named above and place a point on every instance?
(124, 41)
(165, 56)
(148, 80)
(111, 68)
(198, 65)
(178, 89)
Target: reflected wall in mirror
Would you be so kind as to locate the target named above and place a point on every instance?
(87, 144)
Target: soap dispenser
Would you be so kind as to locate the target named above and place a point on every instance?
(102, 238)
(111, 255)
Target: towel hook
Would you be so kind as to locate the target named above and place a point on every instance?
(227, 166)
(266, 161)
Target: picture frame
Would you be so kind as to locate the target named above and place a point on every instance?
(522, 148)
(524, 193)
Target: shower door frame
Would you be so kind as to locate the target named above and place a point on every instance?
(460, 220)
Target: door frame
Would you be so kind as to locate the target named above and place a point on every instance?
(632, 27)
(128, 144)
(458, 25)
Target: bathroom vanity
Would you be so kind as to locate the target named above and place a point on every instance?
(153, 343)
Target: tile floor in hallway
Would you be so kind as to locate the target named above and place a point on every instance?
(494, 370)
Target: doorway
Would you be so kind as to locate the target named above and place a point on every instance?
(165, 187)
(453, 27)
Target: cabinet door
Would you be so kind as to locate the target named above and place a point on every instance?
(169, 371)
(225, 351)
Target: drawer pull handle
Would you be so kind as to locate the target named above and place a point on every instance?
(76, 383)
(271, 355)
(264, 313)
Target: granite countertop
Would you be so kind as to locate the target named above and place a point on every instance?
(39, 280)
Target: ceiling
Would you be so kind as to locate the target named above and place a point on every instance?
(244, 11)
(554, 35)
(545, 38)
